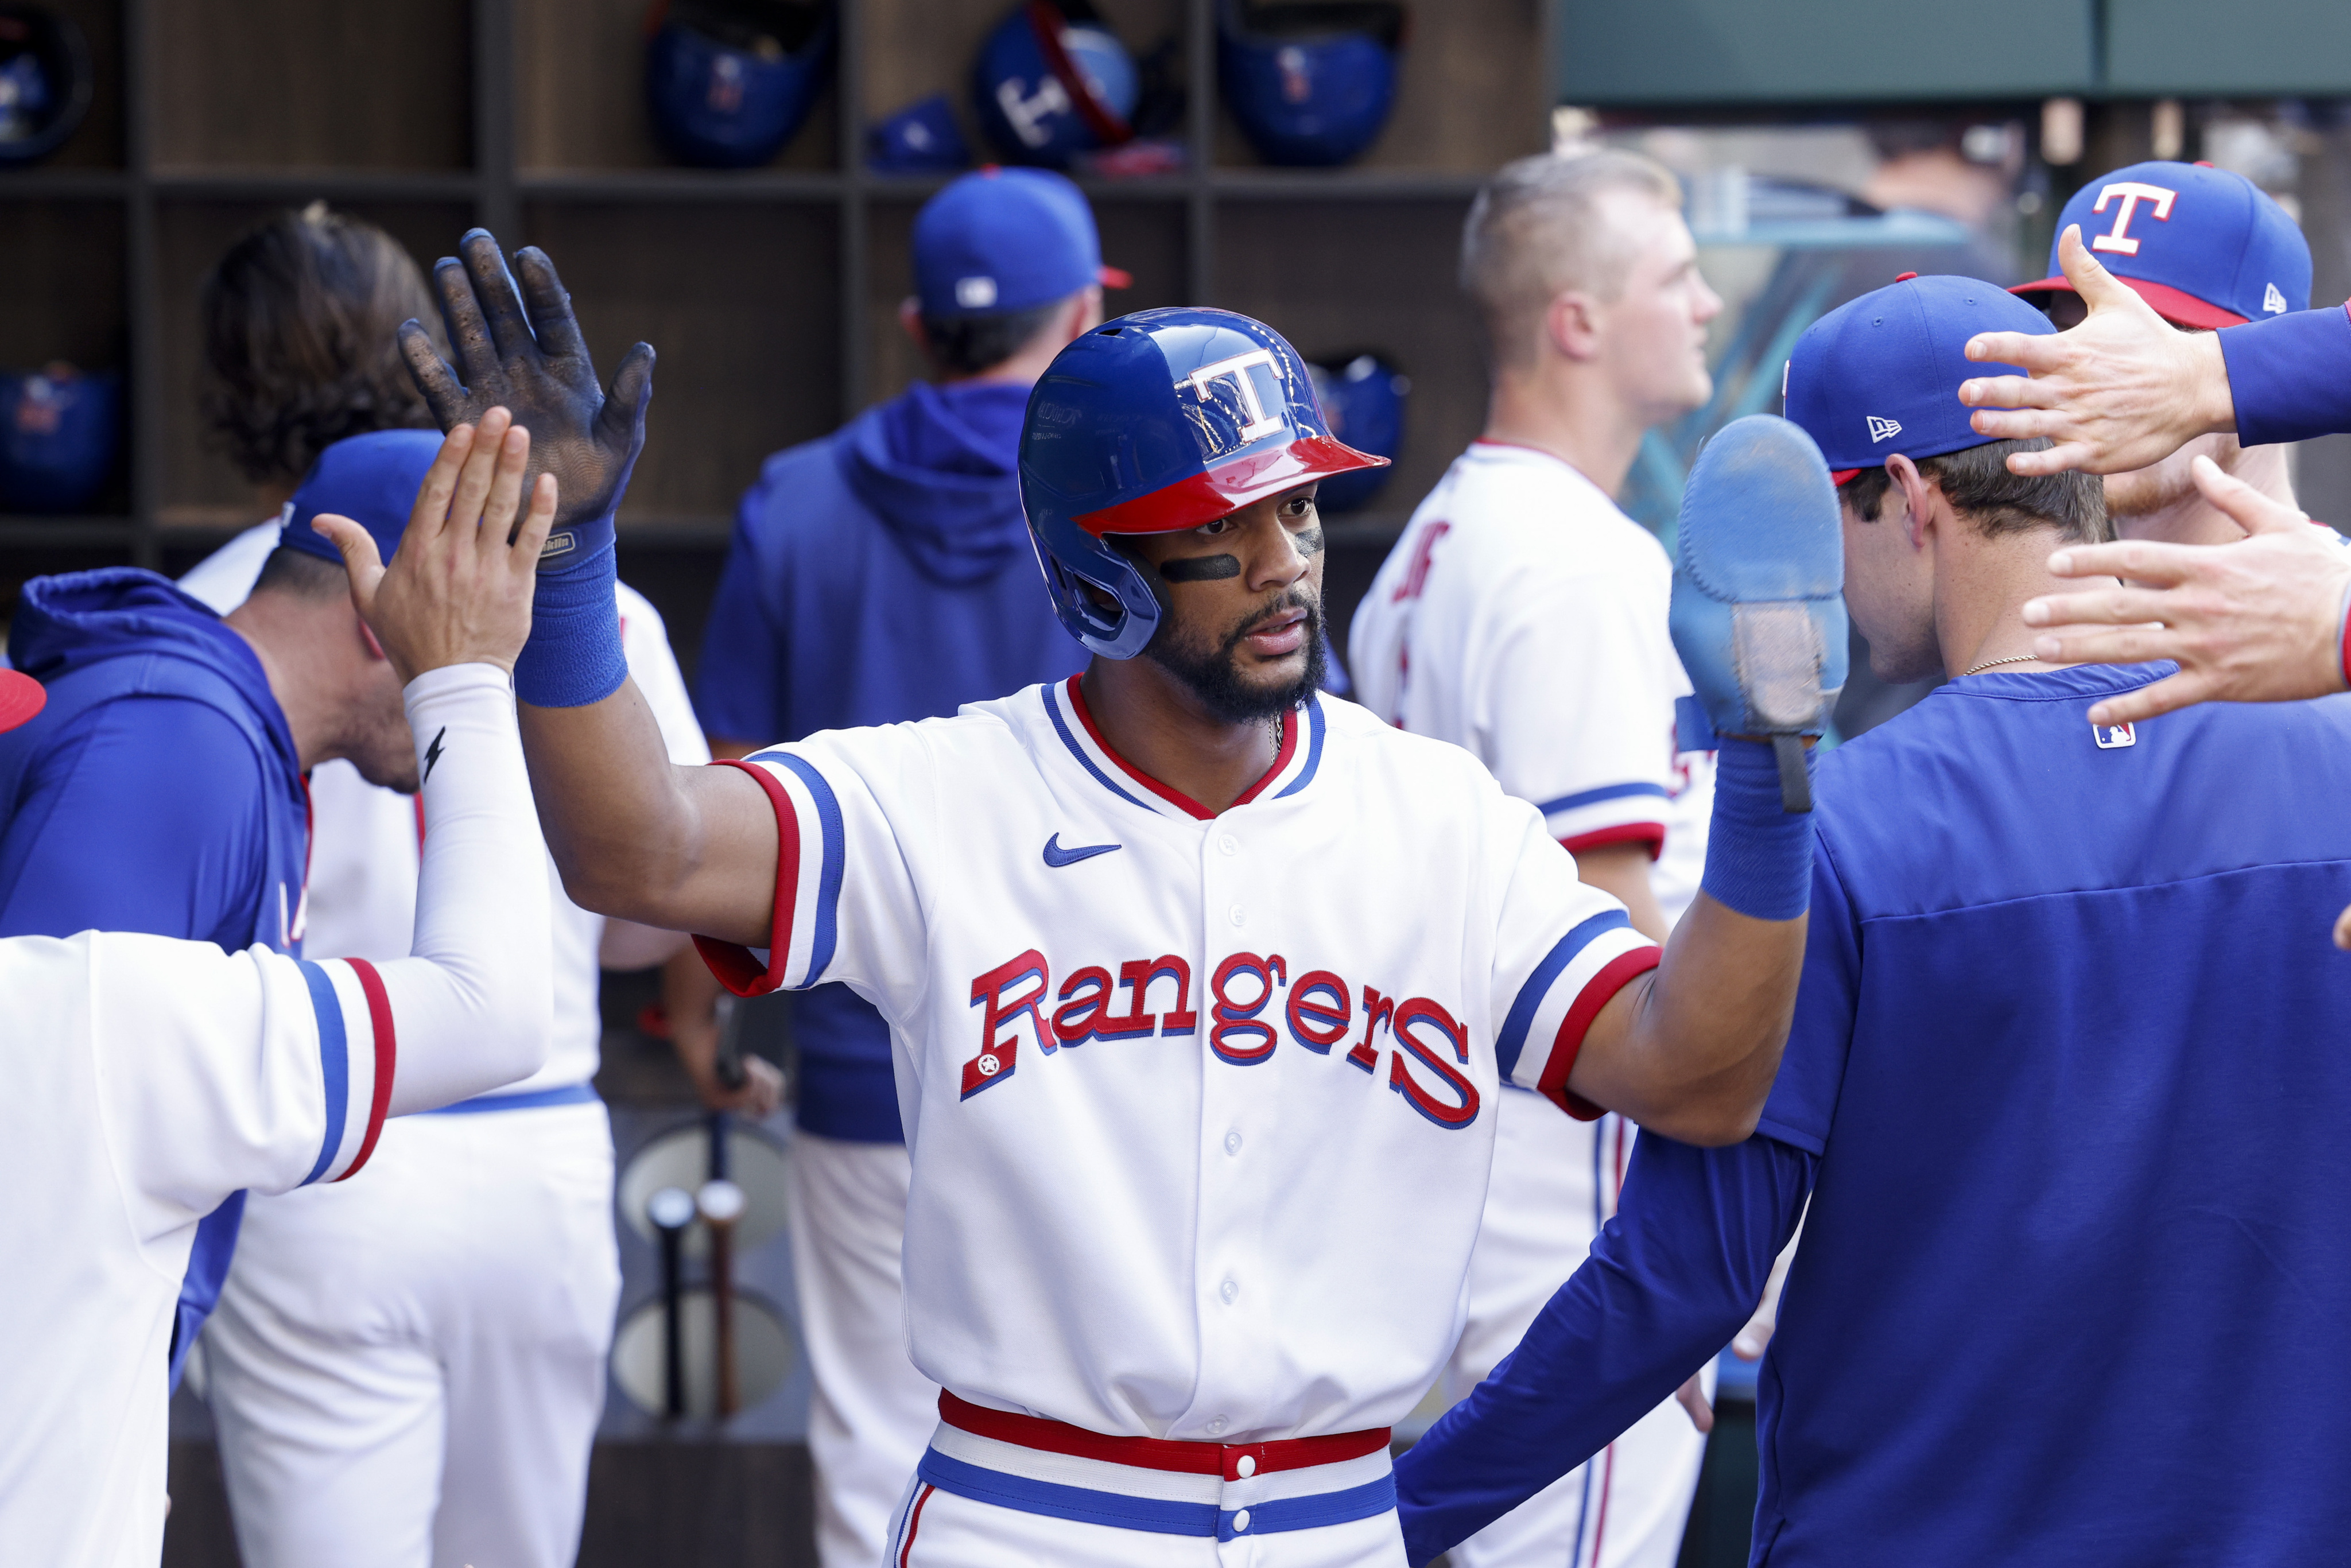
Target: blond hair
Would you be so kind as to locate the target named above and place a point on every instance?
(1536, 229)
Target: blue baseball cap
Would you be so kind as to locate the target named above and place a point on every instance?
(2204, 247)
(999, 240)
(371, 479)
(1881, 374)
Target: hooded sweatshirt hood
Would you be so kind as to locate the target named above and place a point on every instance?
(938, 465)
(70, 622)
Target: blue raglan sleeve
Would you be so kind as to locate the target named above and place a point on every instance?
(2290, 376)
(147, 817)
(1670, 1279)
(738, 690)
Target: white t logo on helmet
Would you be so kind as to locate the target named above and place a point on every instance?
(1237, 369)
(2118, 239)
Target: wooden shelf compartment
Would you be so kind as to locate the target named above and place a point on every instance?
(69, 257)
(742, 303)
(1471, 95)
(296, 84)
(580, 94)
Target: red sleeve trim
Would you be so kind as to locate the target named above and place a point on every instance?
(1597, 993)
(2343, 647)
(387, 1058)
(734, 966)
(1650, 833)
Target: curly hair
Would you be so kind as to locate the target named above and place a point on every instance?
(300, 321)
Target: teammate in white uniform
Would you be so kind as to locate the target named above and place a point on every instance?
(1201, 986)
(1524, 617)
(410, 1370)
(149, 1078)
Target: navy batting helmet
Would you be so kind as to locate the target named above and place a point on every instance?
(1053, 81)
(728, 82)
(57, 431)
(1152, 424)
(1309, 84)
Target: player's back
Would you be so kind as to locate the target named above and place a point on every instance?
(2078, 1259)
(1509, 540)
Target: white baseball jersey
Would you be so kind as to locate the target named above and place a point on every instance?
(148, 1078)
(1200, 1108)
(1524, 617)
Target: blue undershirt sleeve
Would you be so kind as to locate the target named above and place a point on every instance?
(152, 820)
(737, 688)
(2290, 376)
(1670, 1279)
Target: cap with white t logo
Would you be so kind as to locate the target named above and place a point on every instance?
(2205, 247)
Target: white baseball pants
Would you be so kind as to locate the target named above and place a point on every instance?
(1554, 1184)
(873, 1412)
(406, 1370)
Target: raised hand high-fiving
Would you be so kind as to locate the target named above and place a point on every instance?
(523, 352)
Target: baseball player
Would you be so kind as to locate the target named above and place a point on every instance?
(1200, 984)
(1522, 617)
(2039, 966)
(2207, 249)
(410, 1370)
(245, 704)
(881, 574)
(149, 1078)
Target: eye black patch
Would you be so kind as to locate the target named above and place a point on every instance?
(1200, 567)
(1311, 540)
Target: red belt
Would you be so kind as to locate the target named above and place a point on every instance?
(1159, 1453)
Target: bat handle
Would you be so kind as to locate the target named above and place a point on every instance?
(672, 1210)
(729, 1062)
(673, 1327)
(722, 1203)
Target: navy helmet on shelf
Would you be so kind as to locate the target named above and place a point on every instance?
(1310, 85)
(921, 139)
(1152, 424)
(1363, 396)
(44, 82)
(1052, 81)
(57, 434)
(728, 82)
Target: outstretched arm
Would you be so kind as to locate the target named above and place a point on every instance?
(2121, 391)
(686, 849)
(1671, 1279)
(2258, 621)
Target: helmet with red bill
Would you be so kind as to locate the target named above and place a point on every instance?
(1152, 424)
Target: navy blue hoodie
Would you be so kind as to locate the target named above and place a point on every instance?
(881, 574)
(159, 791)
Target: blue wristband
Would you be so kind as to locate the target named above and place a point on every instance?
(1758, 854)
(573, 657)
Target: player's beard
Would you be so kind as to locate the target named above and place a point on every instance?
(1214, 675)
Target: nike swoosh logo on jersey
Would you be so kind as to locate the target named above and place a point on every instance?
(1057, 857)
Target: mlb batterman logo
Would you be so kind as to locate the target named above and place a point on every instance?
(2111, 736)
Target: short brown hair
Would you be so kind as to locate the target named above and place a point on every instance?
(300, 323)
(1535, 229)
(1977, 482)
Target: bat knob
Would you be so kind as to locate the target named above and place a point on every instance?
(721, 1202)
(671, 1209)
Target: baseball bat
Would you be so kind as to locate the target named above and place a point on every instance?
(671, 1211)
(721, 1203)
(729, 1064)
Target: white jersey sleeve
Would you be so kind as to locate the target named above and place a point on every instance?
(1580, 701)
(1563, 949)
(850, 805)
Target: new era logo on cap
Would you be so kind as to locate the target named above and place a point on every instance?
(2273, 302)
(975, 293)
(1883, 429)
